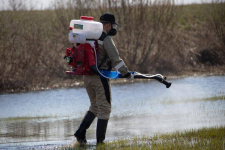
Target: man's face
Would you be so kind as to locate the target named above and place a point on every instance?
(106, 26)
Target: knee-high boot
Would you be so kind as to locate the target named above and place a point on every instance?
(101, 130)
(80, 134)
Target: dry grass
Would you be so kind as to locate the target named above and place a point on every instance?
(154, 37)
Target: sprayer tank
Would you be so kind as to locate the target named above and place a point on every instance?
(87, 27)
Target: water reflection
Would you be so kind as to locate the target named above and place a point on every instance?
(147, 108)
(23, 131)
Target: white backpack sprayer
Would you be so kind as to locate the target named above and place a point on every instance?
(84, 33)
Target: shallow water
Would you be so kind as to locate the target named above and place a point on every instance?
(48, 119)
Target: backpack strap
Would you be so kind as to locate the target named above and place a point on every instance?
(100, 41)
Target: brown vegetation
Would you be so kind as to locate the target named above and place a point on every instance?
(153, 37)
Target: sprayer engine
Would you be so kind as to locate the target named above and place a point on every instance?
(80, 57)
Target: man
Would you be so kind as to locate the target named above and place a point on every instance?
(98, 88)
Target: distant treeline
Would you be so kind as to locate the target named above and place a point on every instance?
(153, 37)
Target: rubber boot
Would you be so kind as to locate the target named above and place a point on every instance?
(101, 130)
(80, 134)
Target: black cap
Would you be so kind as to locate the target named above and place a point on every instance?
(108, 17)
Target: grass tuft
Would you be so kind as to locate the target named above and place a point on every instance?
(205, 138)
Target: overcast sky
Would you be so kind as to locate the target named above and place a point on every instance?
(37, 4)
(43, 4)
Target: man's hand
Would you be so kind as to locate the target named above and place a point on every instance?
(131, 77)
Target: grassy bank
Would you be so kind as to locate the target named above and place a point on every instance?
(158, 37)
(206, 138)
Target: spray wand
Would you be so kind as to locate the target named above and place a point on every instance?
(137, 75)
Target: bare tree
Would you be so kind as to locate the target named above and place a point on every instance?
(16, 5)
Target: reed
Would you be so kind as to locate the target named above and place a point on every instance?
(153, 37)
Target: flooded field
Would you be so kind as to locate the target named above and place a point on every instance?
(48, 119)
